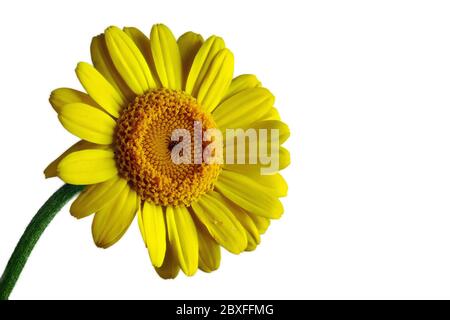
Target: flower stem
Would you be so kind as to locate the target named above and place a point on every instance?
(32, 234)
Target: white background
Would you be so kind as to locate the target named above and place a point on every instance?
(364, 86)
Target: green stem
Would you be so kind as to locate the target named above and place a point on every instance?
(32, 234)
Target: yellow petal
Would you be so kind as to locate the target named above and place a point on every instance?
(103, 63)
(253, 241)
(209, 250)
(153, 230)
(87, 167)
(166, 56)
(100, 89)
(143, 43)
(285, 158)
(202, 62)
(243, 108)
(87, 123)
(240, 83)
(96, 197)
(270, 153)
(221, 223)
(183, 238)
(129, 61)
(253, 238)
(216, 81)
(62, 96)
(283, 129)
(111, 222)
(272, 114)
(274, 183)
(189, 43)
(140, 223)
(51, 170)
(261, 223)
(249, 195)
(170, 267)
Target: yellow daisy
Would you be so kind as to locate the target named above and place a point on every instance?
(138, 91)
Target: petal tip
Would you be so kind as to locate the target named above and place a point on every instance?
(81, 66)
(112, 29)
(159, 25)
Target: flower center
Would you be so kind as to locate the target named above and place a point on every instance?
(144, 147)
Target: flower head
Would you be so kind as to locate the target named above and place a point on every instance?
(153, 107)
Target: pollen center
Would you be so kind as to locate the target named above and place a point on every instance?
(144, 148)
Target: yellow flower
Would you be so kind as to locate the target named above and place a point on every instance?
(138, 91)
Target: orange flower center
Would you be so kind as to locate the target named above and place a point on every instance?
(144, 148)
